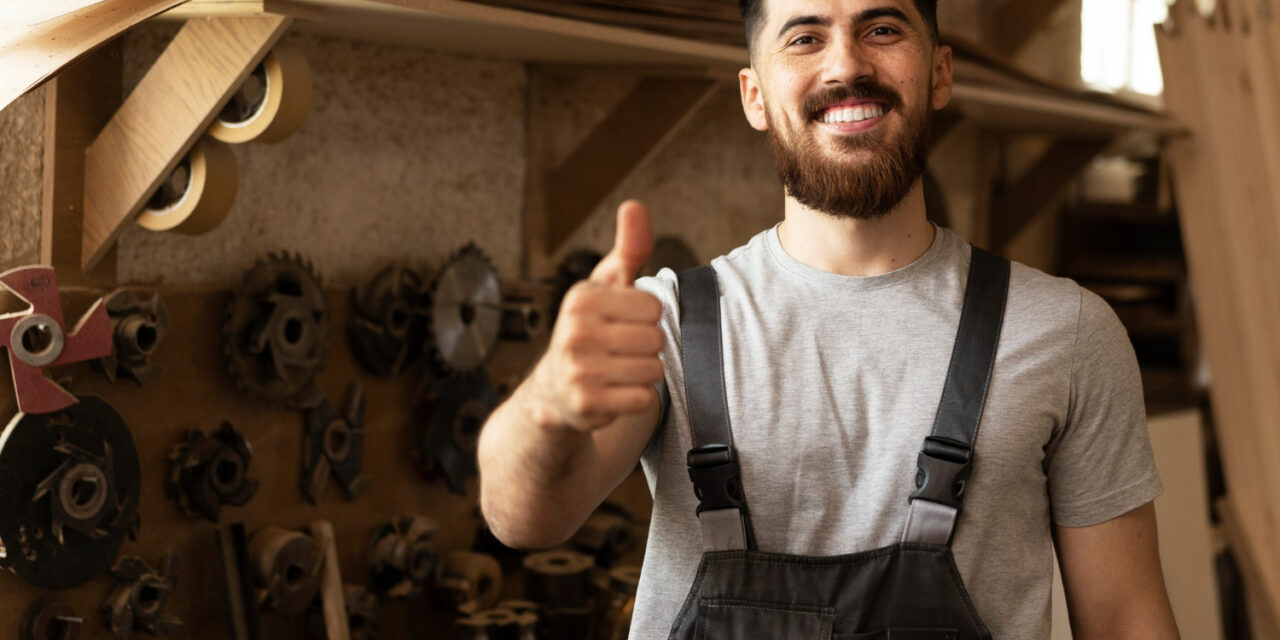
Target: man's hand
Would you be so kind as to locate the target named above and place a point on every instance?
(602, 361)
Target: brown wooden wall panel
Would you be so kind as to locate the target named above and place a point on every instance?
(197, 392)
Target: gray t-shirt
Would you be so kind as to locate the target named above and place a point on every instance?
(833, 383)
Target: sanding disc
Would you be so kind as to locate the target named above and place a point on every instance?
(271, 104)
(72, 474)
(198, 194)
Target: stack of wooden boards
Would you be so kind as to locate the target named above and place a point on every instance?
(1222, 81)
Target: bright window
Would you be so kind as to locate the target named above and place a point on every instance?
(1118, 45)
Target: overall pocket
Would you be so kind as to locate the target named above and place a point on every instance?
(721, 619)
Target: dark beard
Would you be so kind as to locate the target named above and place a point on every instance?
(868, 191)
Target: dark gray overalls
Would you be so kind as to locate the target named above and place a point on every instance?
(910, 590)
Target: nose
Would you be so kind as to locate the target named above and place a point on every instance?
(846, 62)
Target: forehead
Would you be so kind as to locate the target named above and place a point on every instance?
(777, 12)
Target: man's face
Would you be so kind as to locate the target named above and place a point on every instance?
(846, 90)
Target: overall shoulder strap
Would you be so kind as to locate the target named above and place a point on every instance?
(713, 462)
(946, 459)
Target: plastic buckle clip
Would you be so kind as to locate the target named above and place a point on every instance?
(717, 480)
(944, 467)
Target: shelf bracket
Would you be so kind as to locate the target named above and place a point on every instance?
(171, 107)
(1019, 203)
(632, 133)
(78, 102)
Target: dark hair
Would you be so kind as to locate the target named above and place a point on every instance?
(753, 11)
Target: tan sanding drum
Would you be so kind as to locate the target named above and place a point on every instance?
(211, 184)
(285, 80)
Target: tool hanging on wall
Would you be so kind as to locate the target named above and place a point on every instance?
(466, 311)
(137, 600)
(333, 445)
(37, 338)
(137, 329)
(69, 484)
(575, 267)
(608, 534)
(670, 252)
(497, 624)
(402, 557)
(49, 618)
(276, 331)
(521, 320)
(388, 332)
(272, 102)
(197, 194)
(448, 414)
(237, 583)
(623, 583)
(206, 472)
(561, 582)
(363, 613)
(287, 568)
(469, 582)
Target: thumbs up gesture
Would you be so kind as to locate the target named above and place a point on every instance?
(603, 358)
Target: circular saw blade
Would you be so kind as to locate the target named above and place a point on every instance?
(466, 311)
(29, 455)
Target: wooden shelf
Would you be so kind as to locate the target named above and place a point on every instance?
(994, 94)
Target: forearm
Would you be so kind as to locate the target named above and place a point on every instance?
(538, 481)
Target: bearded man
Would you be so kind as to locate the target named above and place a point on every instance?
(856, 425)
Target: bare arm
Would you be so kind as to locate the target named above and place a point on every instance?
(577, 426)
(1112, 578)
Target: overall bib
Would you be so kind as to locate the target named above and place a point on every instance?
(910, 590)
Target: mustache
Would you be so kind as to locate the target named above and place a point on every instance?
(861, 90)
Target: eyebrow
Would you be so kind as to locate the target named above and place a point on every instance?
(863, 16)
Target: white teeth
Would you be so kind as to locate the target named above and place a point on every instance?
(852, 114)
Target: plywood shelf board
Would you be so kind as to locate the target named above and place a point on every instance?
(40, 39)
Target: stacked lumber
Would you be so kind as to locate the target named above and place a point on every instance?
(1222, 82)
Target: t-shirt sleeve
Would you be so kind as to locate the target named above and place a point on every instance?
(663, 286)
(1099, 464)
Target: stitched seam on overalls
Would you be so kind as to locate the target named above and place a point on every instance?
(958, 582)
(688, 601)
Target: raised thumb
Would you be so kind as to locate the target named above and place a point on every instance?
(631, 246)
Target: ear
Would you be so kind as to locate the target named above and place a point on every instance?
(752, 99)
(942, 80)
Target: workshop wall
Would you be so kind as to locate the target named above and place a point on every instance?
(407, 154)
(21, 151)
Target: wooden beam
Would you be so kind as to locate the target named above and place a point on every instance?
(77, 104)
(1014, 23)
(244, 9)
(171, 107)
(1019, 203)
(645, 120)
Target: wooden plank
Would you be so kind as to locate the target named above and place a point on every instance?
(1020, 203)
(77, 104)
(1230, 219)
(641, 124)
(1016, 21)
(244, 9)
(40, 40)
(171, 107)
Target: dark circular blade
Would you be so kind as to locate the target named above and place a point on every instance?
(27, 457)
(466, 311)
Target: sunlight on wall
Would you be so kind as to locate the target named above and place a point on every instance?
(1118, 47)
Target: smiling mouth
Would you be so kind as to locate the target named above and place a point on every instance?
(852, 113)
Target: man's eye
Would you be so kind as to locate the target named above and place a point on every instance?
(883, 31)
(802, 40)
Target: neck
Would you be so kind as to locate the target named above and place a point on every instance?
(853, 247)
